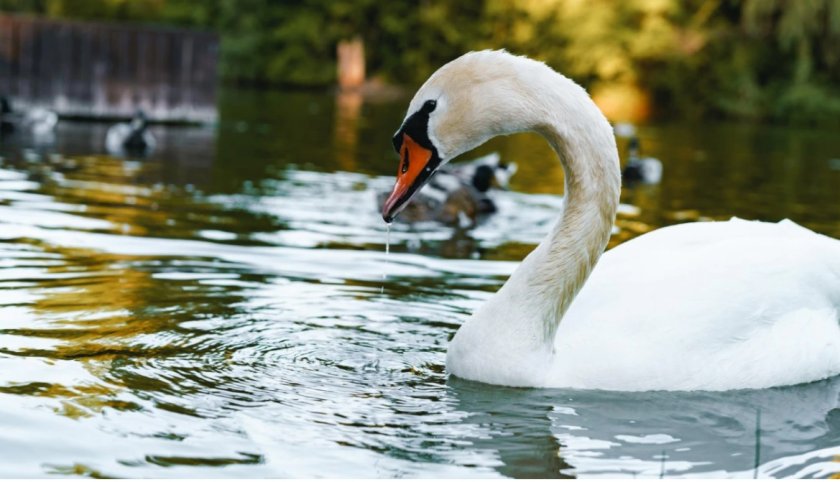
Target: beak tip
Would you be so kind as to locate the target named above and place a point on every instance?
(390, 208)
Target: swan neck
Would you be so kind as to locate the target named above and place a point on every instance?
(514, 331)
(557, 269)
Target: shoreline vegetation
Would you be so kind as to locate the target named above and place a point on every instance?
(758, 60)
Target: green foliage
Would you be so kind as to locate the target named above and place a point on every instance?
(759, 59)
(800, 67)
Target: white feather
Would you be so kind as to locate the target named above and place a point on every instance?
(711, 306)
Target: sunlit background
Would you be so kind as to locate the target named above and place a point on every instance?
(222, 304)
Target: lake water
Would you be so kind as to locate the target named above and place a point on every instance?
(219, 309)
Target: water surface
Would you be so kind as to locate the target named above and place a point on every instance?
(219, 308)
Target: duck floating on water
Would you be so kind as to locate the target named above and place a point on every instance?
(458, 194)
(640, 170)
(132, 138)
(38, 122)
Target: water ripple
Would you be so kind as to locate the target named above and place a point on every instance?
(251, 325)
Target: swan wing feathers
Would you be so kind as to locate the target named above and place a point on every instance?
(712, 305)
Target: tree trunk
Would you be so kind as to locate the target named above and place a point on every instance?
(351, 63)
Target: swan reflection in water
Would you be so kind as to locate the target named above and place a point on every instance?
(557, 432)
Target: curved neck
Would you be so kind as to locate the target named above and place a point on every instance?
(592, 189)
(549, 278)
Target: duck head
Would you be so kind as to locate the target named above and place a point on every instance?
(633, 145)
(139, 121)
(496, 175)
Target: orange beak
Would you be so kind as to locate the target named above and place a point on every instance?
(414, 171)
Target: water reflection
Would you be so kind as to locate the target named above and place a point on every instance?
(517, 428)
(540, 433)
(348, 107)
(218, 308)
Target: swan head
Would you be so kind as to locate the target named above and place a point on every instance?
(471, 99)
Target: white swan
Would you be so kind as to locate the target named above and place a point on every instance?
(733, 305)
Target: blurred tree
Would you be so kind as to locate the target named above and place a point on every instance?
(759, 59)
(804, 35)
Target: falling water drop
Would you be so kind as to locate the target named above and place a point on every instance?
(388, 240)
(387, 250)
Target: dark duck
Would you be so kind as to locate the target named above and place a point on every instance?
(640, 170)
(130, 138)
(459, 194)
(37, 122)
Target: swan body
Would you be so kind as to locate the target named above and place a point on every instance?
(734, 305)
(737, 304)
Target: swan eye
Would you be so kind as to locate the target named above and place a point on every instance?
(429, 105)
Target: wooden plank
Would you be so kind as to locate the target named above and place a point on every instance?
(100, 64)
(84, 67)
(124, 67)
(107, 70)
(162, 78)
(6, 53)
(64, 70)
(14, 60)
(140, 81)
(26, 56)
(206, 69)
(186, 71)
(47, 86)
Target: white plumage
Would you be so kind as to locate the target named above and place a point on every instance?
(711, 306)
(701, 306)
(41, 122)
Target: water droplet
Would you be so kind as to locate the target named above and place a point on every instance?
(388, 240)
(387, 250)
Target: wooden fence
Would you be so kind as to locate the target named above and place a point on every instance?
(104, 70)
